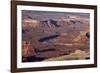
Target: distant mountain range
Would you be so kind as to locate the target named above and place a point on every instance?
(50, 23)
(28, 21)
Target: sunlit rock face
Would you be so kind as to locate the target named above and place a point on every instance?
(28, 22)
